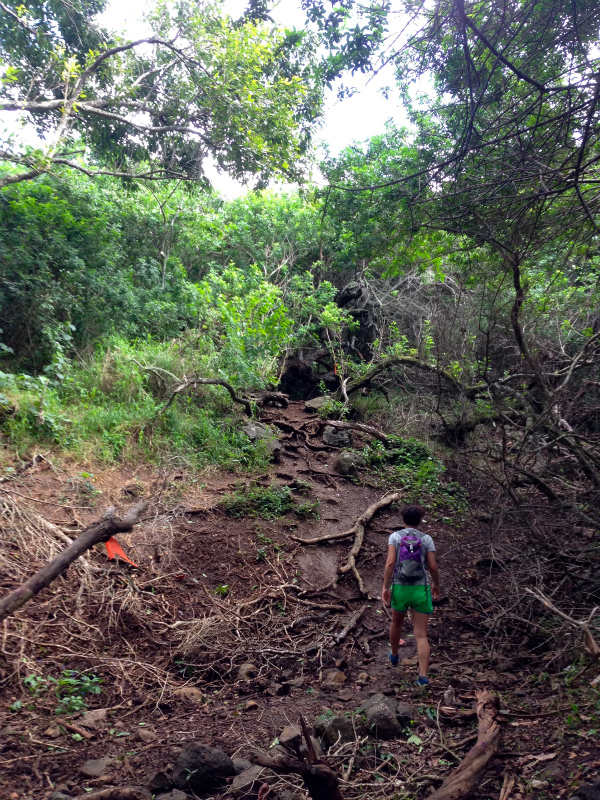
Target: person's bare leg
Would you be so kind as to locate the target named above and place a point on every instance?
(395, 631)
(420, 622)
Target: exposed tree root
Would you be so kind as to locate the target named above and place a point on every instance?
(285, 426)
(358, 531)
(471, 769)
(351, 625)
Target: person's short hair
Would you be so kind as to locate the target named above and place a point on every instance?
(412, 514)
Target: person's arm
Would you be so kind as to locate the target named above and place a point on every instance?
(435, 574)
(386, 594)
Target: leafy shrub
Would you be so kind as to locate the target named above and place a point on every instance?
(71, 687)
(267, 502)
(412, 464)
(308, 510)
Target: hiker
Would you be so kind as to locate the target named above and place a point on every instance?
(410, 554)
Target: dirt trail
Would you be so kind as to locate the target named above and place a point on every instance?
(198, 563)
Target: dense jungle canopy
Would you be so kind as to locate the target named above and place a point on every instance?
(439, 282)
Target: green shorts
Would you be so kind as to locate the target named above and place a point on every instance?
(416, 597)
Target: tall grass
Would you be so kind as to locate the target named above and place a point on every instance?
(104, 408)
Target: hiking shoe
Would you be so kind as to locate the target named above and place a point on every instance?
(422, 682)
(393, 659)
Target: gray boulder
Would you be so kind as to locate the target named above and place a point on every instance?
(374, 700)
(241, 764)
(259, 432)
(588, 791)
(405, 713)
(247, 784)
(201, 768)
(334, 437)
(316, 404)
(380, 716)
(347, 463)
(332, 729)
(256, 431)
(381, 719)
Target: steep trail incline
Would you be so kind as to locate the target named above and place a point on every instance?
(225, 635)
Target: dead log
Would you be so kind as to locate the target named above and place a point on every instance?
(357, 426)
(97, 532)
(118, 793)
(471, 769)
(321, 781)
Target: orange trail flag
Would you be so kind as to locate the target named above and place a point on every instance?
(113, 548)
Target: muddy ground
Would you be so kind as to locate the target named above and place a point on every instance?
(196, 561)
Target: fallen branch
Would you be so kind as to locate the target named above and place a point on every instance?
(357, 426)
(97, 532)
(590, 644)
(469, 391)
(471, 769)
(351, 625)
(507, 786)
(193, 383)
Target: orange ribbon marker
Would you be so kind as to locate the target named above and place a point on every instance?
(113, 548)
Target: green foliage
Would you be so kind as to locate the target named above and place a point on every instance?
(265, 543)
(308, 510)
(266, 502)
(75, 265)
(243, 91)
(71, 688)
(333, 409)
(411, 464)
(112, 404)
